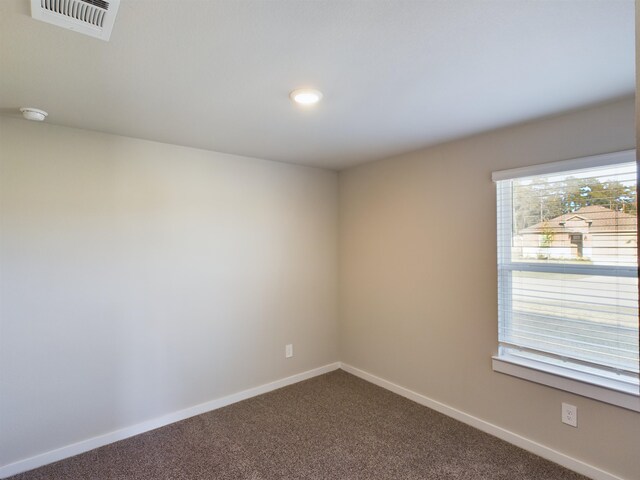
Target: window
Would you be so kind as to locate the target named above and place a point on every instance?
(568, 276)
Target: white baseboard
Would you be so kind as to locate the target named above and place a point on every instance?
(513, 438)
(101, 440)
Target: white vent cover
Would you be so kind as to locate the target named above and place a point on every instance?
(91, 17)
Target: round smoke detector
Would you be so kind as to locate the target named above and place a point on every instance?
(35, 114)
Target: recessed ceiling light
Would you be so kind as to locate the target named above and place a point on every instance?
(34, 114)
(306, 96)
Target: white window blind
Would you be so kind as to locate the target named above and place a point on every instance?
(567, 267)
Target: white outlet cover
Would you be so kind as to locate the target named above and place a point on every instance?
(570, 414)
(288, 350)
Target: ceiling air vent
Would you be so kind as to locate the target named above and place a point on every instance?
(90, 17)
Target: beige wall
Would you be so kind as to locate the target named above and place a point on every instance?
(139, 278)
(418, 282)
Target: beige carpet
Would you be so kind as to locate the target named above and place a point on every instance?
(335, 426)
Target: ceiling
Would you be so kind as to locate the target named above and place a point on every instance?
(396, 75)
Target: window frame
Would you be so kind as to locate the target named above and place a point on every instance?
(599, 388)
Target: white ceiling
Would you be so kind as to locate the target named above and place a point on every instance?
(396, 75)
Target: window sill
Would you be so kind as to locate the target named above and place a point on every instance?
(615, 393)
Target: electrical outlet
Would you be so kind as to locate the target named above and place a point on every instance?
(288, 350)
(570, 414)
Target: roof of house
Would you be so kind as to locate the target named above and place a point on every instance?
(600, 219)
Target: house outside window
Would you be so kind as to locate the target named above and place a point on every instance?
(568, 276)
